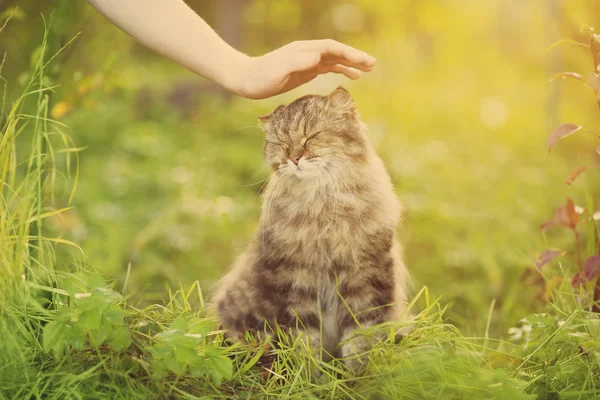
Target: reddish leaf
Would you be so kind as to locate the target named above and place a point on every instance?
(579, 279)
(574, 174)
(547, 256)
(562, 131)
(547, 224)
(592, 267)
(566, 215)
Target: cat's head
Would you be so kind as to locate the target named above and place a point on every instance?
(314, 132)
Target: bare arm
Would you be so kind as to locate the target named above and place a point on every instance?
(172, 29)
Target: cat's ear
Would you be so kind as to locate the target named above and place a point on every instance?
(265, 120)
(341, 101)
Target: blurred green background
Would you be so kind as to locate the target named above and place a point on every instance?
(459, 107)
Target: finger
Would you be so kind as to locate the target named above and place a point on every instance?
(351, 73)
(343, 54)
(332, 60)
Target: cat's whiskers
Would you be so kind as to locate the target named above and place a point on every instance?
(261, 181)
(266, 181)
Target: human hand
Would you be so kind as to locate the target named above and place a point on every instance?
(296, 64)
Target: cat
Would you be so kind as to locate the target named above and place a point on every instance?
(325, 259)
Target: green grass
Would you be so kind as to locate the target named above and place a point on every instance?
(155, 207)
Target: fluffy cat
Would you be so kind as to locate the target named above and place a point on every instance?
(325, 258)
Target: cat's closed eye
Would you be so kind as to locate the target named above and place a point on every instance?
(311, 136)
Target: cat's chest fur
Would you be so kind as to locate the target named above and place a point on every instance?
(322, 227)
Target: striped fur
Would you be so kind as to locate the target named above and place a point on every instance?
(325, 258)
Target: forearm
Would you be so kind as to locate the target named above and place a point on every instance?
(172, 29)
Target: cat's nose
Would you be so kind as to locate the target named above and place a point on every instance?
(296, 160)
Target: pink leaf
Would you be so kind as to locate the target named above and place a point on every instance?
(574, 174)
(547, 256)
(562, 131)
(592, 267)
(567, 215)
(547, 224)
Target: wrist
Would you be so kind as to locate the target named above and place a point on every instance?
(235, 74)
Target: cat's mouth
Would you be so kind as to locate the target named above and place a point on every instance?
(301, 167)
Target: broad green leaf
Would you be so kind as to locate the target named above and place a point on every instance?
(185, 355)
(107, 295)
(54, 336)
(179, 325)
(220, 366)
(198, 368)
(78, 337)
(120, 338)
(89, 320)
(99, 336)
(96, 282)
(176, 367)
(114, 315)
(161, 350)
(85, 301)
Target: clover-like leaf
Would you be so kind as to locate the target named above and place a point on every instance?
(55, 336)
(78, 337)
(221, 366)
(179, 325)
(562, 131)
(120, 338)
(114, 315)
(89, 320)
(96, 282)
(99, 336)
